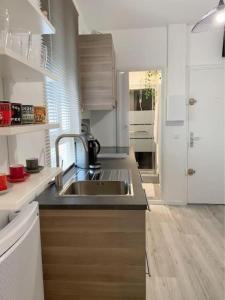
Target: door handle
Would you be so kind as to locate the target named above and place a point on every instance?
(139, 131)
(193, 139)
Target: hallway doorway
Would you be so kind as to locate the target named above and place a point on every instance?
(144, 127)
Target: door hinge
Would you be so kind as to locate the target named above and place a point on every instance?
(191, 172)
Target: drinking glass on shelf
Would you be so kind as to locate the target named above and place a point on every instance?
(44, 56)
(4, 27)
(34, 56)
(20, 42)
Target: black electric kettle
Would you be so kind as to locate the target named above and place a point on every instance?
(94, 148)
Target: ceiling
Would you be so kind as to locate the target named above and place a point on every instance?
(125, 14)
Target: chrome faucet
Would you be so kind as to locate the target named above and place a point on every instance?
(58, 179)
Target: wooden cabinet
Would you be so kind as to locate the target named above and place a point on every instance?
(93, 254)
(97, 72)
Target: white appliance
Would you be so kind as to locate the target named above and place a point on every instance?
(21, 275)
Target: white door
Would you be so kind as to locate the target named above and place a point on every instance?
(206, 134)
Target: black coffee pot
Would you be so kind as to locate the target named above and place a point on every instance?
(94, 148)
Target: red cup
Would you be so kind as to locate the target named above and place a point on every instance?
(17, 171)
(3, 182)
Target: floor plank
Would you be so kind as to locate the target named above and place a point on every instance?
(186, 251)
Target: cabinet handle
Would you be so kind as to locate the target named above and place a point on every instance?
(139, 131)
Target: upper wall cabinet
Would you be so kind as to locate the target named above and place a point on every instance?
(98, 74)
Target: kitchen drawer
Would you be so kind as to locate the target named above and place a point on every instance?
(141, 131)
(143, 145)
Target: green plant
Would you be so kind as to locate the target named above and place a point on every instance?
(149, 92)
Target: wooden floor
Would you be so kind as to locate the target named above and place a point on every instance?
(152, 191)
(186, 251)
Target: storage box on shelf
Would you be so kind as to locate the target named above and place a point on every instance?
(25, 14)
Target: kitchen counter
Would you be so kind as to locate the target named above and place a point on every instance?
(49, 199)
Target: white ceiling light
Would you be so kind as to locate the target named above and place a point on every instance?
(214, 18)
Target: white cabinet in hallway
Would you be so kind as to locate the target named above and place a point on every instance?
(142, 117)
(143, 145)
(141, 133)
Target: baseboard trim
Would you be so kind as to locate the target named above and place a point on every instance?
(175, 203)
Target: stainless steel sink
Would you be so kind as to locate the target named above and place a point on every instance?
(97, 188)
(104, 182)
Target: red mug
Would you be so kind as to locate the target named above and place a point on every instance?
(3, 182)
(17, 171)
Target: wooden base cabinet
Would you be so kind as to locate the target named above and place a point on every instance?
(93, 254)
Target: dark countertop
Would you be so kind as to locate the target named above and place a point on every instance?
(50, 200)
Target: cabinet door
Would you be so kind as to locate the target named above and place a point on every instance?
(97, 67)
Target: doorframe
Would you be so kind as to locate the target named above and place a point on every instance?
(188, 88)
(162, 116)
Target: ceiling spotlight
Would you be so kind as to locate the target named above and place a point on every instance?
(214, 18)
(220, 18)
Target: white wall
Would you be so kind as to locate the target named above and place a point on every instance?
(140, 49)
(83, 26)
(103, 125)
(174, 147)
(205, 48)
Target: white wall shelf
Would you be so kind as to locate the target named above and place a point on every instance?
(24, 14)
(21, 194)
(16, 68)
(21, 129)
